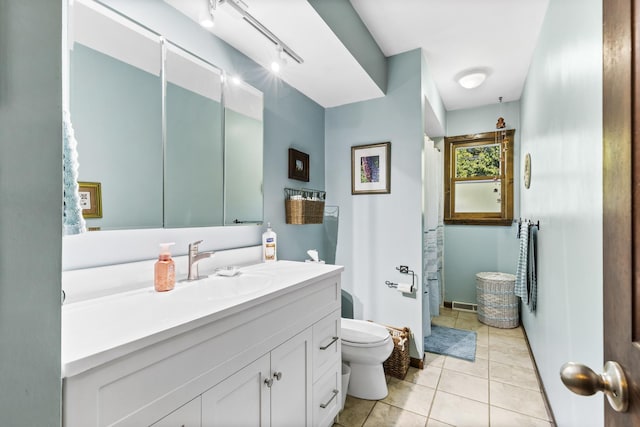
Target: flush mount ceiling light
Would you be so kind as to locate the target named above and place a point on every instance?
(472, 80)
(207, 17)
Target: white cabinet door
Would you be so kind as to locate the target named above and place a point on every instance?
(241, 400)
(185, 416)
(291, 389)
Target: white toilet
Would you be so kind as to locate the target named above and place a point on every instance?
(365, 345)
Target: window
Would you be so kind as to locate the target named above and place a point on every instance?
(478, 176)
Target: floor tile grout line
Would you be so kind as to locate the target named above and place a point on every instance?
(515, 385)
(369, 413)
(520, 413)
(464, 397)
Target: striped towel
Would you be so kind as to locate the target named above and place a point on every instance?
(532, 278)
(521, 271)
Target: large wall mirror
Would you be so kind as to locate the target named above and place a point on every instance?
(243, 142)
(171, 141)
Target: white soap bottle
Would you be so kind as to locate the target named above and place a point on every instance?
(269, 242)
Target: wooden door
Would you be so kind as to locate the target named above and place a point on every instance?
(621, 208)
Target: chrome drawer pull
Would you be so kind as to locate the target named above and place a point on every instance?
(335, 393)
(329, 345)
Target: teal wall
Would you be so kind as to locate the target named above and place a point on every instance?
(470, 249)
(380, 232)
(561, 115)
(345, 22)
(30, 212)
(118, 123)
(243, 157)
(435, 114)
(194, 159)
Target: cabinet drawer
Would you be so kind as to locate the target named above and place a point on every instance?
(326, 344)
(327, 397)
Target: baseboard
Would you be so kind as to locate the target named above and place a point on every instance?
(540, 383)
(461, 306)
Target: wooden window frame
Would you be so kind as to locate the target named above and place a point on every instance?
(505, 216)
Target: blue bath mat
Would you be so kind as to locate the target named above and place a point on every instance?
(451, 342)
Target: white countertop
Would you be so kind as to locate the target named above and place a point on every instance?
(98, 330)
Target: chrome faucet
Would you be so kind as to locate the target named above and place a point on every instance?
(194, 258)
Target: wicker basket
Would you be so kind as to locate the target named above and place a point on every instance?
(304, 206)
(497, 301)
(397, 364)
(304, 211)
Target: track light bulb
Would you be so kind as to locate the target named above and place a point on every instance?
(280, 61)
(206, 17)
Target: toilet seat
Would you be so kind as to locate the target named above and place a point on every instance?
(363, 333)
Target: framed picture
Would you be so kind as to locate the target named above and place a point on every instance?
(371, 168)
(298, 165)
(90, 199)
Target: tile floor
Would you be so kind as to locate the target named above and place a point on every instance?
(499, 389)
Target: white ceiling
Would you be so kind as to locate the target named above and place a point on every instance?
(498, 36)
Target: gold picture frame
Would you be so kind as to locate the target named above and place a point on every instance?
(90, 199)
(371, 168)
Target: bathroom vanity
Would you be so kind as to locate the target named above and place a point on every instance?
(258, 349)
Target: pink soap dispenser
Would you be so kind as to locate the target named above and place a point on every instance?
(165, 270)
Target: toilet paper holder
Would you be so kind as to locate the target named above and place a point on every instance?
(404, 270)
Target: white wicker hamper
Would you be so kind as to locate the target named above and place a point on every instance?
(497, 301)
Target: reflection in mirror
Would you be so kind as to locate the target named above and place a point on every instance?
(243, 153)
(194, 153)
(168, 148)
(115, 106)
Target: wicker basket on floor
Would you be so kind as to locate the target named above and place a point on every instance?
(397, 364)
(497, 301)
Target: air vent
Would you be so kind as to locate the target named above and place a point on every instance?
(464, 306)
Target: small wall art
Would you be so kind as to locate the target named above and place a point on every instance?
(90, 199)
(527, 170)
(371, 168)
(298, 165)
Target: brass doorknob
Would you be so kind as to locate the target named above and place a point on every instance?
(581, 379)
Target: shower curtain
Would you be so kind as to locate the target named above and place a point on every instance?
(433, 231)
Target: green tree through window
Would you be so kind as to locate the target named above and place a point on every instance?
(478, 161)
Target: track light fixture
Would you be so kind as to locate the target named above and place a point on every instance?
(207, 16)
(237, 6)
(280, 61)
